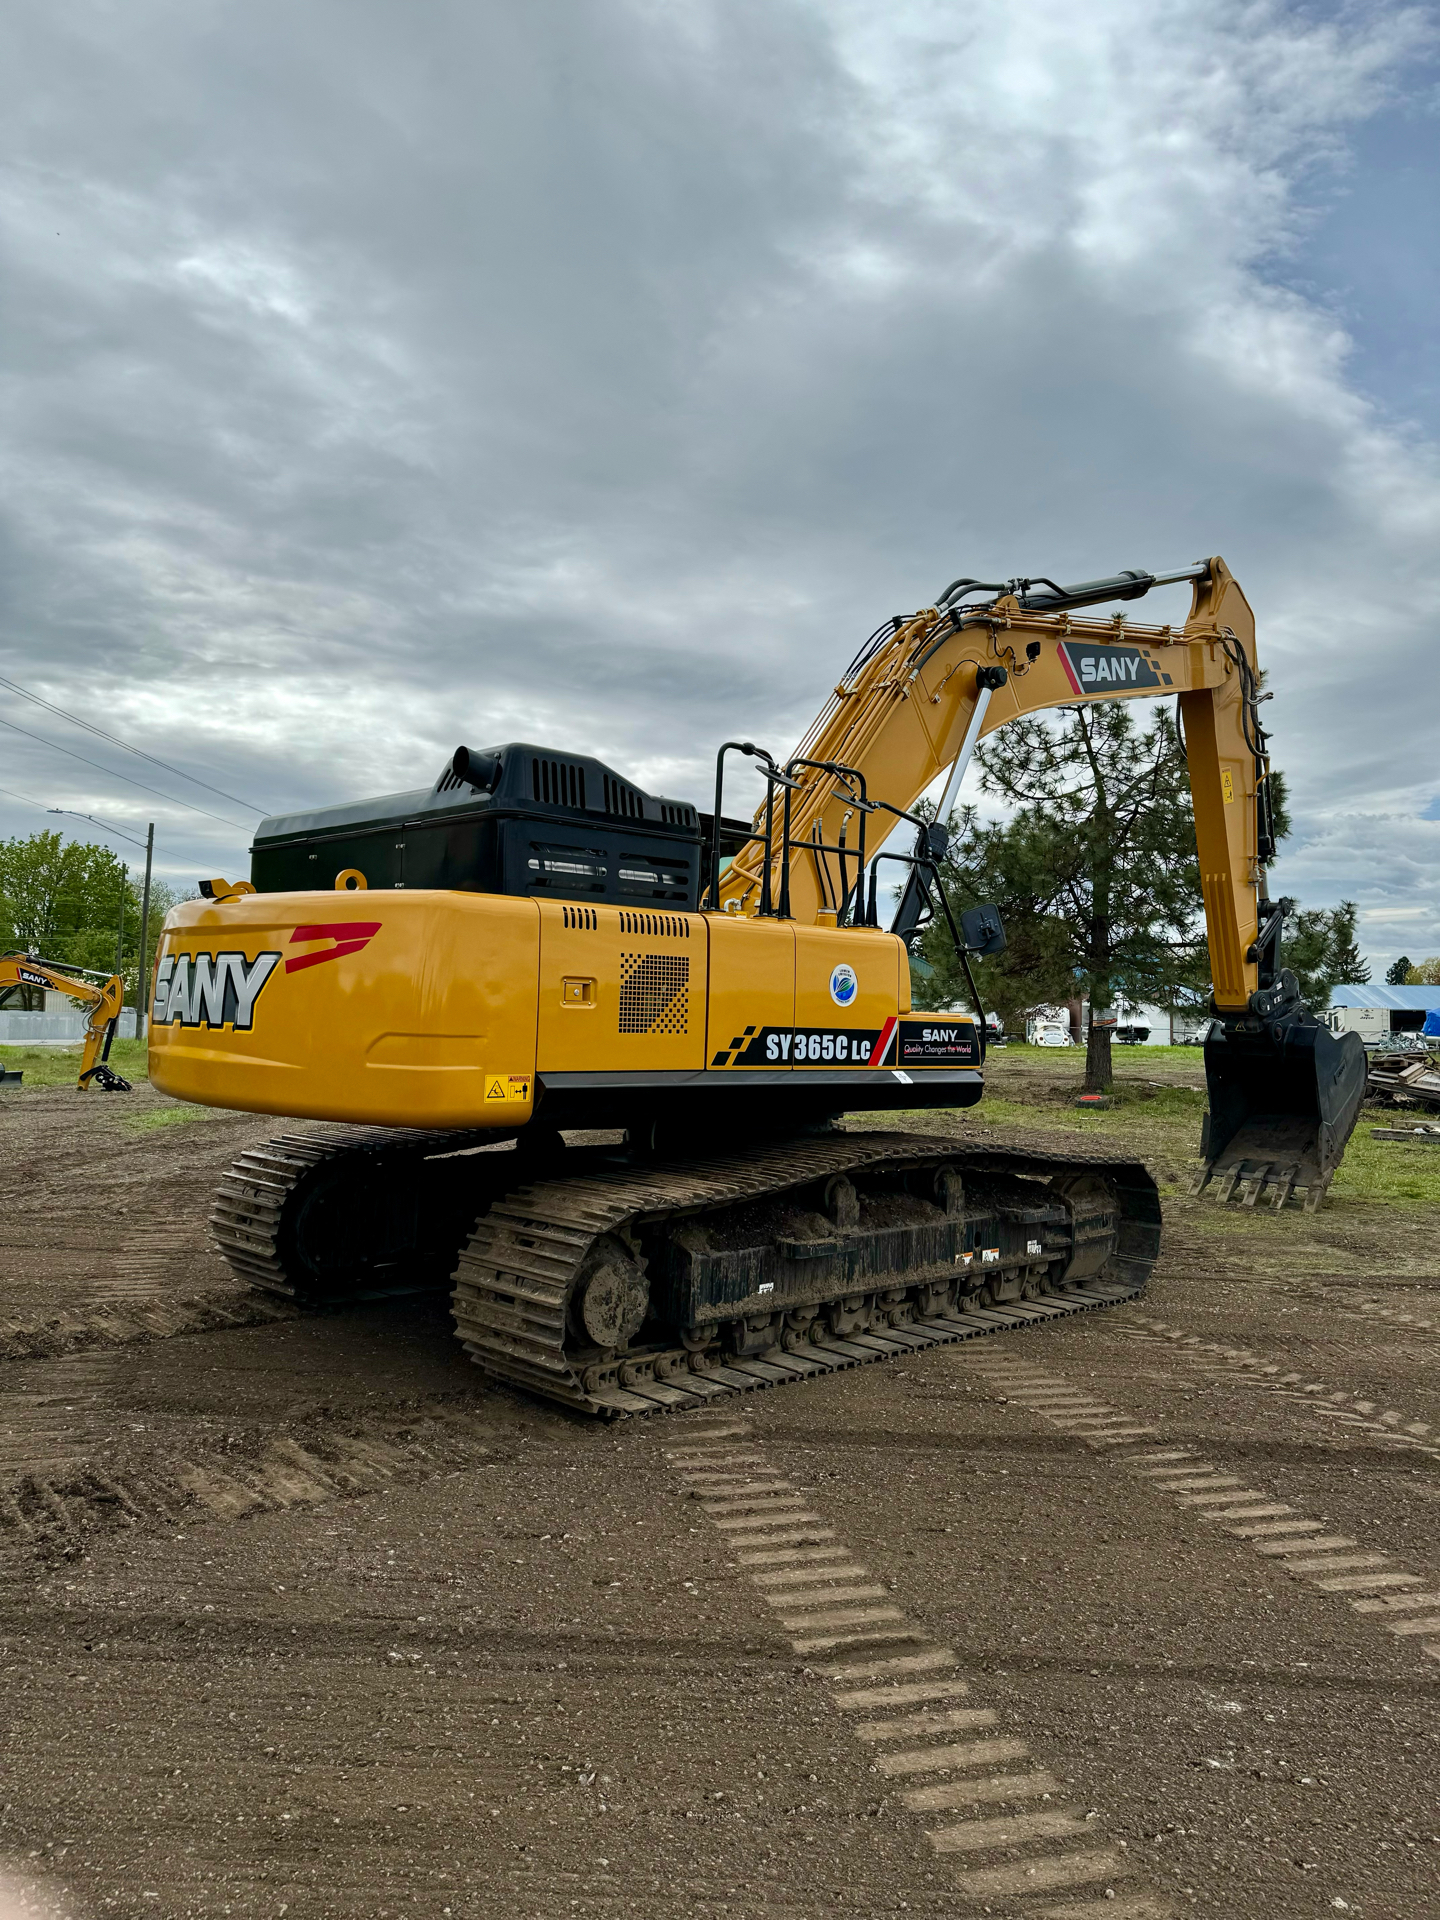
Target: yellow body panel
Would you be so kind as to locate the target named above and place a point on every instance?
(752, 981)
(877, 961)
(406, 1009)
(440, 1009)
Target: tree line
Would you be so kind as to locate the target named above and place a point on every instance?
(75, 902)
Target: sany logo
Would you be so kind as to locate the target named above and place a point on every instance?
(1103, 669)
(220, 990)
(349, 937)
(209, 990)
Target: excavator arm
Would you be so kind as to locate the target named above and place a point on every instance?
(103, 997)
(1283, 1091)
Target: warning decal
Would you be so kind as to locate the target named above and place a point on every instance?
(507, 1087)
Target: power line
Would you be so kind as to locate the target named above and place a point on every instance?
(116, 741)
(239, 826)
(27, 800)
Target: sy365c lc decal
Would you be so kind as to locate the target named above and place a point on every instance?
(220, 990)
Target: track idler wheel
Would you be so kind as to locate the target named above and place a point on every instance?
(612, 1295)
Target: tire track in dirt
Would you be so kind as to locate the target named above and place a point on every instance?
(1318, 1397)
(123, 1321)
(52, 1508)
(1373, 1582)
(1021, 1844)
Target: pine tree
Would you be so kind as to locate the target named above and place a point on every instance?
(1399, 972)
(1095, 871)
(1318, 944)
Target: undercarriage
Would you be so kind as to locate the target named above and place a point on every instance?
(622, 1282)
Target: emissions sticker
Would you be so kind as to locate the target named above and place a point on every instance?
(844, 984)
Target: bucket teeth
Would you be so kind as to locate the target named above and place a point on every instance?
(1254, 1185)
(1284, 1187)
(1248, 1182)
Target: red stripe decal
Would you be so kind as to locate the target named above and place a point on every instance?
(338, 930)
(349, 937)
(1064, 653)
(878, 1052)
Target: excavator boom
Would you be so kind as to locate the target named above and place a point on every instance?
(1284, 1092)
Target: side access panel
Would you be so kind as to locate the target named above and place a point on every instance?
(752, 990)
(621, 990)
(848, 988)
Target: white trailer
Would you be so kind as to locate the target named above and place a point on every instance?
(1377, 1026)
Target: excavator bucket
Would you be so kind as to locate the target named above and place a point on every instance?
(1282, 1101)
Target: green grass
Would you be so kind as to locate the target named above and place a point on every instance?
(58, 1066)
(1388, 1172)
(1182, 1062)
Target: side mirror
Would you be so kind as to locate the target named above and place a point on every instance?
(981, 930)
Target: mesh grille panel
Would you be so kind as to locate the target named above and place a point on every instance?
(654, 993)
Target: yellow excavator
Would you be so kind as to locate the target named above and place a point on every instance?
(589, 1045)
(103, 995)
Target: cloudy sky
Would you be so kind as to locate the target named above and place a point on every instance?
(378, 376)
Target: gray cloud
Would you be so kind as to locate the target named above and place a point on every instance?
(378, 377)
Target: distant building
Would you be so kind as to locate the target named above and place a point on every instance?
(1382, 1014)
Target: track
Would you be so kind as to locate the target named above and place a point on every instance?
(520, 1267)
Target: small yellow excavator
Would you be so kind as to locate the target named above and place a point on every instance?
(480, 976)
(104, 996)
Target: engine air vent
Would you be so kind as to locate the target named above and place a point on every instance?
(662, 926)
(675, 813)
(558, 783)
(654, 993)
(623, 800)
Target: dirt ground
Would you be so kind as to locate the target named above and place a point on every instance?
(300, 1616)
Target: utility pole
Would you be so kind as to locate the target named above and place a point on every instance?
(120, 931)
(141, 996)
